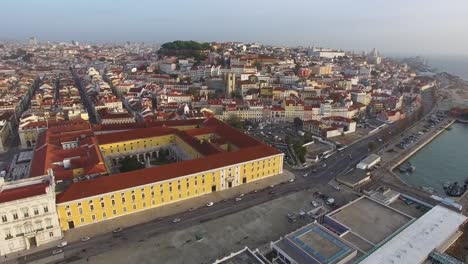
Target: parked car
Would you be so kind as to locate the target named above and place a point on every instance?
(177, 220)
(83, 239)
(62, 244)
(209, 204)
(238, 199)
(57, 251)
(117, 230)
(315, 203)
(192, 209)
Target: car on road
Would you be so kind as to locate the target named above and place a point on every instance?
(57, 251)
(315, 203)
(330, 201)
(241, 195)
(306, 174)
(291, 180)
(209, 204)
(191, 209)
(84, 239)
(117, 230)
(62, 244)
(324, 165)
(177, 220)
(238, 199)
(271, 192)
(272, 186)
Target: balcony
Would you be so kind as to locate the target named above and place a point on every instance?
(20, 234)
(9, 236)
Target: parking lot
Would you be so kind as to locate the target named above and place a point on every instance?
(254, 227)
(19, 166)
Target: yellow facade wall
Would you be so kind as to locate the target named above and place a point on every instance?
(98, 208)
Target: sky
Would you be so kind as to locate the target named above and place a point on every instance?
(406, 27)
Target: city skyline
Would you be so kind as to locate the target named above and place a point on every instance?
(395, 28)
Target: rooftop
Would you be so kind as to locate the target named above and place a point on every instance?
(244, 256)
(315, 244)
(370, 220)
(12, 194)
(414, 244)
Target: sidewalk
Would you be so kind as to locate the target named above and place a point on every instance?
(171, 209)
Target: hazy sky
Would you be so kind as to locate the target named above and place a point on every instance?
(392, 26)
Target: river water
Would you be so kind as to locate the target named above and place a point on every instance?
(444, 159)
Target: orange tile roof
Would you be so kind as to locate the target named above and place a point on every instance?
(134, 134)
(126, 180)
(23, 192)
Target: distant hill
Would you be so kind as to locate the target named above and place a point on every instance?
(184, 49)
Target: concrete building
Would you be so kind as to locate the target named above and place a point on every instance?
(369, 162)
(355, 178)
(321, 70)
(28, 214)
(244, 256)
(361, 97)
(436, 230)
(5, 129)
(313, 244)
(366, 223)
(230, 82)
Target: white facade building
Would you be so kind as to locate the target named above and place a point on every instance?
(28, 214)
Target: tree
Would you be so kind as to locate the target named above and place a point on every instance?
(27, 57)
(307, 136)
(300, 151)
(131, 164)
(236, 94)
(258, 65)
(297, 122)
(371, 146)
(235, 121)
(194, 91)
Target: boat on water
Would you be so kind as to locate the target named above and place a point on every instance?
(447, 185)
(455, 189)
(406, 167)
(428, 189)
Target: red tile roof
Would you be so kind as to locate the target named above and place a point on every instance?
(134, 134)
(23, 192)
(126, 180)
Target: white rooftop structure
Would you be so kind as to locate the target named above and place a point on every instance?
(413, 244)
(368, 162)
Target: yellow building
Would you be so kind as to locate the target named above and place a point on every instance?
(321, 70)
(218, 157)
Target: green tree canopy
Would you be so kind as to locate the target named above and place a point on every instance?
(131, 164)
(235, 121)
